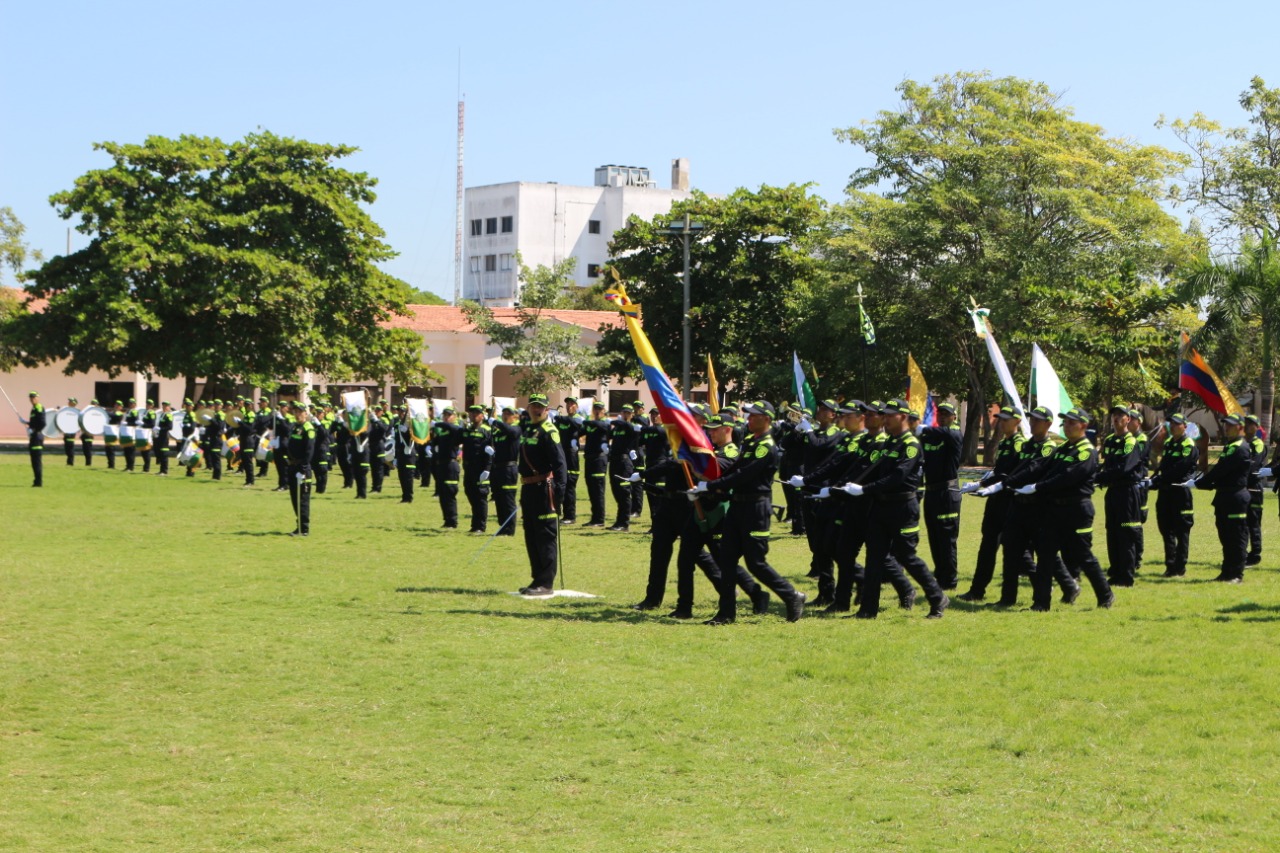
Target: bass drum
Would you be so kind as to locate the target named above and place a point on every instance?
(93, 420)
(190, 453)
(68, 420)
(51, 426)
(175, 431)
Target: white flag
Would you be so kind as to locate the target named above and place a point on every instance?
(983, 329)
(1047, 388)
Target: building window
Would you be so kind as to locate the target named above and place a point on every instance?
(593, 270)
(491, 225)
(508, 224)
(475, 228)
(504, 262)
(490, 263)
(593, 226)
(475, 263)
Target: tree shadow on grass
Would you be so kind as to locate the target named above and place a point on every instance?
(575, 612)
(1249, 611)
(450, 590)
(247, 532)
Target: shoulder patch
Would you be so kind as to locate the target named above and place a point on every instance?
(730, 451)
(762, 450)
(1047, 450)
(1083, 454)
(912, 451)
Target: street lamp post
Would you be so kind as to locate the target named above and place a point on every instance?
(684, 227)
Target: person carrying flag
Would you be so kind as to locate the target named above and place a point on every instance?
(1229, 479)
(542, 477)
(942, 446)
(1175, 513)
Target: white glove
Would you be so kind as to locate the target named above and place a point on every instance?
(301, 478)
(987, 476)
(404, 427)
(484, 475)
(804, 426)
(797, 481)
(577, 419)
(854, 489)
(636, 426)
(1187, 485)
(632, 454)
(1029, 489)
(24, 420)
(604, 447)
(553, 413)
(969, 488)
(692, 495)
(1264, 472)
(701, 488)
(824, 492)
(919, 430)
(488, 450)
(634, 478)
(430, 452)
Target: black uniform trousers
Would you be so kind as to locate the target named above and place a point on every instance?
(942, 521)
(1175, 517)
(321, 472)
(637, 490)
(35, 448)
(795, 508)
(130, 455)
(146, 460)
(248, 465)
(819, 518)
(377, 468)
(1124, 526)
(571, 485)
(1067, 533)
(408, 474)
(746, 538)
(447, 489)
(86, 447)
(359, 456)
(619, 470)
(669, 513)
(893, 532)
(506, 481)
(110, 449)
(1231, 514)
(850, 527)
(477, 493)
(994, 515)
(541, 529)
(1144, 499)
(424, 466)
(162, 453)
(596, 469)
(1255, 525)
(282, 473)
(701, 549)
(1024, 530)
(300, 497)
(69, 447)
(214, 459)
(344, 464)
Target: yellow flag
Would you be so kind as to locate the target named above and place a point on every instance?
(917, 390)
(713, 387)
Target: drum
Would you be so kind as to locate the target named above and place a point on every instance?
(175, 431)
(230, 446)
(93, 420)
(126, 435)
(110, 433)
(142, 438)
(190, 453)
(51, 427)
(68, 420)
(263, 453)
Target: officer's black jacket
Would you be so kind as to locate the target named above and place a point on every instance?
(300, 448)
(474, 440)
(37, 421)
(1121, 460)
(506, 443)
(596, 434)
(1033, 457)
(445, 440)
(165, 423)
(570, 430)
(1177, 463)
(541, 454)
(1259, 449)
(1070, 471)
(1231, 472)
(819, 446)
(942, 449)
(623, 438)
(897, 468)
(320, 446)
(653, 438)
(753, 475)
(839, 468)
(1008, 456)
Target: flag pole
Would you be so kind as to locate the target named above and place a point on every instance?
(864, 346)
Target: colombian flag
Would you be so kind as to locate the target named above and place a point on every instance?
(918, 394)
(688, 442)
(1196, 376)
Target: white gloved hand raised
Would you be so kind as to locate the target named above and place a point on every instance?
(488, 450)
(824, 492)
(577, 419)
(484, 475)
(634, 478)
(854, 489)
(969, 488)
(404, 427)
(1029, 489)
(1187, 485)
(796, 481)
(1264, 472)
(632, 454)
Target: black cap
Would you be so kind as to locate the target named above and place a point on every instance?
(1117, 409)
(947, 407)
(1135, 414)
(829, 404)
(475, 407)
(1008, 413)
(571, 399)
(851, 407)
(872, 408)
(718, 420)
(598, 404)
(1076, 414)
(537, 399)
(1178, 418)
(1236, 420)
(1041, 413)
(759, 407)
(897, 406)
(1252, 418)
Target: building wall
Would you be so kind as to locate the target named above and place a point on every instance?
(55, 387)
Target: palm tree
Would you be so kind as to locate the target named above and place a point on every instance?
(1240, 293)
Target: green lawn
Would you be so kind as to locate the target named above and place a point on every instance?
(176, 674)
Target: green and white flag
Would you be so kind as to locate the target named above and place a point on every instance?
(1047, 388)
(419, 419)
(868, 330)
(803, 391)
(356, 404)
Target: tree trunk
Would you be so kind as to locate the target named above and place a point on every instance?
(189, 389)
(1267, 387)
(975, 417)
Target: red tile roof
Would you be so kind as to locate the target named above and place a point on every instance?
(446, 318)
(25, 299)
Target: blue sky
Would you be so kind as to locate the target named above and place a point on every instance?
(749, 91)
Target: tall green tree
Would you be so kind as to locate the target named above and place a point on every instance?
(252, 260)
(14, 251)
(755, 270)
(989, 189)
(546, 354)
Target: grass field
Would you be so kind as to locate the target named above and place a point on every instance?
(176, 674)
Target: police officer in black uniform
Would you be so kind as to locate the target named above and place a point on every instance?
(1258, 447)
(1229, 479)
(477, 456)
(1144, 489)
(320, 454)
(115, 418)
(446, 439)
(36, 422)
(624, 438)
(300, 450)
(1175, 511)
(746, 530)
(214, 428)
(69, 438)
(666, 483)
(1065, 484)
(506, 475)
(595, 461)
(998, 503)
(1120, 474)
(379, 428)
(942, 445)
(542, 477)
(86, 441)
(570, 424)
(655, 448)
(819, 441)
(406, 455)
(129, 447)
(164, 424)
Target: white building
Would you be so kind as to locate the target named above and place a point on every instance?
(547, 222)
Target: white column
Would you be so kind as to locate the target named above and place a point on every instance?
(140, 389)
